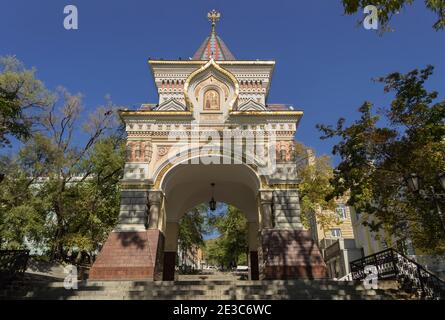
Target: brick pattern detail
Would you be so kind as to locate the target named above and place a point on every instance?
(291, 254)
(128, 255)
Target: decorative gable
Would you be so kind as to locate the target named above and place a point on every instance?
(252, 105)
(211, 88)
(171, 105)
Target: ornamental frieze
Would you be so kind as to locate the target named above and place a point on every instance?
(138, 151)
(285, 150)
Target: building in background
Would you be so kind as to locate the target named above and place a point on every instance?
(190, 260)
(335, 240)
(375, 241)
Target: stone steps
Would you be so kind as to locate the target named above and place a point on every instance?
(192, 290)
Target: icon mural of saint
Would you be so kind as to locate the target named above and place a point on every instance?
(211, 100)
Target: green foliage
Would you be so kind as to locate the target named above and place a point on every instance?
(376, 158)
(60, 193)
(215, 253)
(314, 175)
(231, 247)
(21, 97)
(191, 230)
(72, 216)
(388, 8)
(19, 215)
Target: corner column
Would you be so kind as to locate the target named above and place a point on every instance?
(154, 202)
(266, 209)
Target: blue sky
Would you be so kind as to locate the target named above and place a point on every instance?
(324, 61)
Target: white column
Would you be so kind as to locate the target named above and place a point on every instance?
(154, 202)
(266, 199)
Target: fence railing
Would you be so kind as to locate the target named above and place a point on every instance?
(412, 276)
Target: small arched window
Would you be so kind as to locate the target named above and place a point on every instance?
(211, 100)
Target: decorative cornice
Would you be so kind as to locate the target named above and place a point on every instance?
(296, 113)
(202, 62)
(155, 113)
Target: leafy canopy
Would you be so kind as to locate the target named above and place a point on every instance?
(388, 8)
(22, 96)
(60, 193)
(380, 149)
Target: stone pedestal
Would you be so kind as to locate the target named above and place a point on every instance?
(130, 255)
(290, 254)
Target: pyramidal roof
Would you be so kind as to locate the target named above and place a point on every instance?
(213, 46)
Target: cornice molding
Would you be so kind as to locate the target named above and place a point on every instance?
(154, 113)
(294, 113)
(203, 62)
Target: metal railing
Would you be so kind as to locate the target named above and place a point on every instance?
(412, 277)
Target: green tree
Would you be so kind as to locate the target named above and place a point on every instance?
(214, 253)
(22, 98)
(20, 218)
(67, 186)
(97, 198)
(231, 247)
(388, 8)
(314, 174)
(191, 230)
(377, 154)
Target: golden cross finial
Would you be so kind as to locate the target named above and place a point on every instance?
(213, 17)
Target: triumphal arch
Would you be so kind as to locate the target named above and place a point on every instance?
(212, 134)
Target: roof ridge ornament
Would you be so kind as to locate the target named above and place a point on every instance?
(213, 45)
(214, 17)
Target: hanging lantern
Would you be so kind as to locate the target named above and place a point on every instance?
(212, 202)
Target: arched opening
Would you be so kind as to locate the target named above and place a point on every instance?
(185, 186)
(213, 244)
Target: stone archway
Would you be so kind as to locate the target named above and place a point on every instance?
(157, 189)
(187, 185)
(145, 246)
